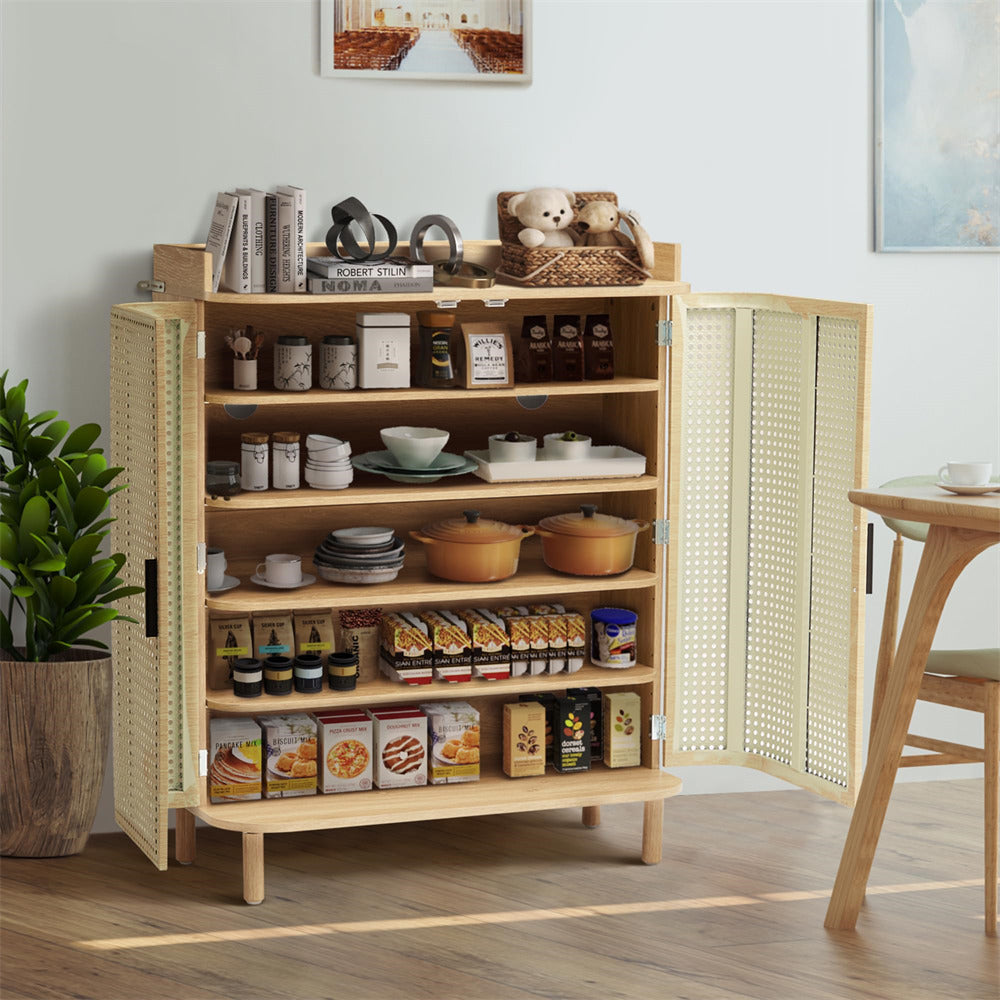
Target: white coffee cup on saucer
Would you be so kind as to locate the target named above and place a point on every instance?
(215, 569)
(966, 473)
(282, 569)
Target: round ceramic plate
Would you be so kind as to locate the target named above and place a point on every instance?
(969, 491)
(304, 582)
(362, 537)
(428, 476)
(386, 460)
(357, 575)
(228, 582)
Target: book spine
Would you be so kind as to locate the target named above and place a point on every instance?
(258, 255)
(369, 286)
(270, 243)
(220, 233)
(286, 241)
(300, 239)
(346, 269)
(236, 275)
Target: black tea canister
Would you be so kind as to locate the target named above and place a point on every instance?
(278, 675)
(342, 670)
(248, 677)
(308, 671)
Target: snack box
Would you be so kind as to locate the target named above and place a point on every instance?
(576, 640)
(406, 652)
(234, 774)
(452, 647)
(548, 701)
(523, 739)
(345, 750)
(622, 734)
(593, 695)
(290, 755)
(571, 735)
(519, 632)
(453, 736)
(399, 741)
(490, 644)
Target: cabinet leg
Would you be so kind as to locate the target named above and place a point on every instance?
(652, 832)
(591, 816)
(184, 837)
(253, 868)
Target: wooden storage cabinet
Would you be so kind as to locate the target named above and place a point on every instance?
(191, 414)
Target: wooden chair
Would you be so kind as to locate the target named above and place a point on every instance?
(963, 678)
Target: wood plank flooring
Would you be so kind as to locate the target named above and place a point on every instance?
(522, 907)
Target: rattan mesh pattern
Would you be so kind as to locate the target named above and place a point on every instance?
(702, 647)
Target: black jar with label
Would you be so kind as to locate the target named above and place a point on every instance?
(308, 671)
(278, 675)
(437, 359)
(248, 677)
(342, 670)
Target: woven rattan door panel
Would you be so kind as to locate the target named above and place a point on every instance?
(768, 431)
(153, 392)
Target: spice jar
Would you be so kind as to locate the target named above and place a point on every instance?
(278, 675)
(293, 363)
(436, 364)
(338, 363)
(253, 450)
(308, 673)
(248, 677)
(222, 479)
(285, 460)
(342, 670)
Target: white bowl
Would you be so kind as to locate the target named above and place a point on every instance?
(325, 449)
(325, 478)
(556, 447)
(339, 463)
(414, 447)
(522, 450)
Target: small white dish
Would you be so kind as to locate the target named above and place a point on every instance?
(556, 447)
(363, 536)
(228, 582)
(524, 449)
(307, 579)
(325, 448)
(970, 491)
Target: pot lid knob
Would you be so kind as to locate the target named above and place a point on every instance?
(472, 515)
(588, 509)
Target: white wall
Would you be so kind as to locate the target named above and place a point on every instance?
(741, 130)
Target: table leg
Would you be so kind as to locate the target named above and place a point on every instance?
(946, 553)
(184, 837)
(591, 816)
(253, 868)
(652, 832)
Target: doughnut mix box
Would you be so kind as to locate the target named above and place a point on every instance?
(453, 732)
(345, 750)
(399, 739)
(290, 744)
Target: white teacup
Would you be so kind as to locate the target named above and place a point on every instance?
(966, 473)
(282, 569)
(215, 568)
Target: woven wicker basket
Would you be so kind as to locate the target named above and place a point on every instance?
(540, 267)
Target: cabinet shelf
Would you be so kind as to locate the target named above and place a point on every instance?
(414, 586)
(493, 793)
(384, 692)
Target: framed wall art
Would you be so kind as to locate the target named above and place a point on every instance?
(937, 125)
(466, 40)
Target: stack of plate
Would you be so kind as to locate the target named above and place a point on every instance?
(328, 463)
(384, 463)
(359, 555)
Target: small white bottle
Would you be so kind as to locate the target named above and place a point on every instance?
(285, 460)
(254, 473)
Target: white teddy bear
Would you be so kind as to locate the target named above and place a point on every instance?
(546, 214)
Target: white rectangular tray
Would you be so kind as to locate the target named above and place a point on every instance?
(605, 462)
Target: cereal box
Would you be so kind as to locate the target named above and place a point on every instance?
(453, 737)
(523, 739)
(571, 735)
(234, 773)
(399, 739)
(345, 751)
(290, 755)
(592, 695)
(622, 735)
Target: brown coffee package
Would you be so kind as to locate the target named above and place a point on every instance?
(598, 348)
(228, 639)
(314, 632)
(567, 349)
(359, 633)
(273, 634)
(533, 351)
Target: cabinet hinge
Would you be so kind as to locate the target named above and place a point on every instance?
(495, 303)
(446, 303)
(151, 285)
(664, 332)
(657, 727)
(661, 532)
(200, 347)
(202, 763)
(200, 557)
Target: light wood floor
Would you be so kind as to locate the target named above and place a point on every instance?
(526, 906)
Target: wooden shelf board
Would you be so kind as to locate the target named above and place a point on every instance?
(470, 488)
(415, 586)
(494, 793)
(385, 692)
(319, 397)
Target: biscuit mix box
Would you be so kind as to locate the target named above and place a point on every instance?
(399, 741)
(290, 746)
(622, 738)
(453, 737)
(234, 774)
(523, 739)
(345, 751)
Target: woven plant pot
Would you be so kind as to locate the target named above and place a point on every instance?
(53, 752)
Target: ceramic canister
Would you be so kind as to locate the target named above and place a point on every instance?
(308, 673)
(293, 363)
(248, 678)
(338, 365)
(285, 460)
(254, 452)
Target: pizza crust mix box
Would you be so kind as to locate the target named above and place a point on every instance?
(234, 774)
(290, 763)
(523, 739)
(345, 751)
(453, 737)
(622, 736)
(399, 740)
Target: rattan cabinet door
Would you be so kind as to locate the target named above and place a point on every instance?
(768, 432)
(154, 407)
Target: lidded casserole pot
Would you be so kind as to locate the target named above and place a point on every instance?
(585, 543)
(470, 549)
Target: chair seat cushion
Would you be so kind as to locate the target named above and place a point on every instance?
(983, 663)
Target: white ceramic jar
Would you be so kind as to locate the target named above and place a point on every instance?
(285, 460)
(254, 454)
(293, 364)
(338, 364)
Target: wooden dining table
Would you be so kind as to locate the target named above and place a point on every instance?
(960, 527)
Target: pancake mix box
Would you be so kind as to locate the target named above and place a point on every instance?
(290, 747)
(234, 774)
(453, 737)
(399, 741)
(345, 751)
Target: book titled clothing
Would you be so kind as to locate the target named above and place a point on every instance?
(391, 267)
(297, 235)
(219, 233)
(257, 238)
(236, 272)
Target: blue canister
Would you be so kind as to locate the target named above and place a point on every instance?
(612, 637)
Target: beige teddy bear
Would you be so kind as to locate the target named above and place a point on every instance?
(597, 222)
(546, 214)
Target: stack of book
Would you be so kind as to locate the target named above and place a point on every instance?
(258, 240)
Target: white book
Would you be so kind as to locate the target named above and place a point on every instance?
(285, 213)
(258, 254)
(219, 233)
(299, 235)
(236, 272)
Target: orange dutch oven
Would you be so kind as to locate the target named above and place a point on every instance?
(586, 543)
(468, 549)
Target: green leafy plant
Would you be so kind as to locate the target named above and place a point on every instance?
(52, 530)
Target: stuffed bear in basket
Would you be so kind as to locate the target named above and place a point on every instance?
(552, 236)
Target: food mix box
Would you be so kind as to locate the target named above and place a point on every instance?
(406, 651)
(518, 630)
(548, 702)
(234, 774)
(453, 737)
(399, 741)
(523, 739)
(622, 737)
(452, 648)
(571, 735)
(593, 696)
(345, 751)
(490, 644)
(290, 755)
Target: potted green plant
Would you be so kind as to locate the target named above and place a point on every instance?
(54, 492)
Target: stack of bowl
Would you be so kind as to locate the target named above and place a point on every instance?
(359, 555)
(328, 463)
